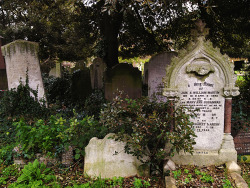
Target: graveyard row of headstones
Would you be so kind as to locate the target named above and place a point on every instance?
(200, 76)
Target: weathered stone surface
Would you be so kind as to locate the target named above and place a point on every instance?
(81, 84)
(56, 71)
(106, 158)
(97, 70)
(202, 78)
(22, 56)
(123, 77)
(233, 167)
(239, 181)
(155, 72)
(170, 182)
(169, 165)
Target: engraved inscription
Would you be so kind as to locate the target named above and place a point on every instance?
(207, 101)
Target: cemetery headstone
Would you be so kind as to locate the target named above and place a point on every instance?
(97, 70)
(106, 158)
(56, 71)
(123, 77)
(202, 78)
(155, 73)
(81, 84)
(21, 57)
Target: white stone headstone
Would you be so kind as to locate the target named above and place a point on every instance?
(107, 158)
(202, 78)
(21, 57)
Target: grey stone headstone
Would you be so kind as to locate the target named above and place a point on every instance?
(81, 84)
(123, 77)
(21, 56)
(97, 70)
(156, 70)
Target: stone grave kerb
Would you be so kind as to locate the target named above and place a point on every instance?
(201, 59)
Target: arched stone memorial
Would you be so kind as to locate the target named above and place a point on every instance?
(202, 78)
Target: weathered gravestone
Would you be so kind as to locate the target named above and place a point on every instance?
(56, 71)
(155, 72)
(3, 76)
(106, 158)
(21, 58)
(97, 70)
(81, 84)
(123, 77)
(203, 79)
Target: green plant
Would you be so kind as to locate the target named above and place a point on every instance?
(206, 178)
(22, 101)
(186, 171)
(227, 183)
(137, 183)
(117, 181)
(34, 175)
(41, 136)
(176, 173)
(94, 103)
(6, 153)
(81, 131)
(146, 126)
(197, 172)
(8, 172)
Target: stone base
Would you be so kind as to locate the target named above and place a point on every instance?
(227, 153)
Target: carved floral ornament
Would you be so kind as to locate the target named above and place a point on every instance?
(200, 66)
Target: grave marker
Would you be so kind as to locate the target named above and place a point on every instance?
(202, 78)
(22, 56)
(97, 70)
(155, 72)
(123, 77)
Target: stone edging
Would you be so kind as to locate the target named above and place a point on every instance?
(239, 181)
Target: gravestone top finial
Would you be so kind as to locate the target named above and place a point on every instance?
(200, 25)
(200, 29)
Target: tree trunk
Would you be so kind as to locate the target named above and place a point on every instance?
(109, 26)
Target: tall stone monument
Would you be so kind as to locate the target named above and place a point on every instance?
(202, 78)
(21, 58)
(97, 70)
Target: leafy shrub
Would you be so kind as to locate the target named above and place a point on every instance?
(241, 104)
(58, 89)
(94, 103)
(22, 101)
(81, 131)
(34, 175)
(146, 124)
(8, 172)
(40, 137)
